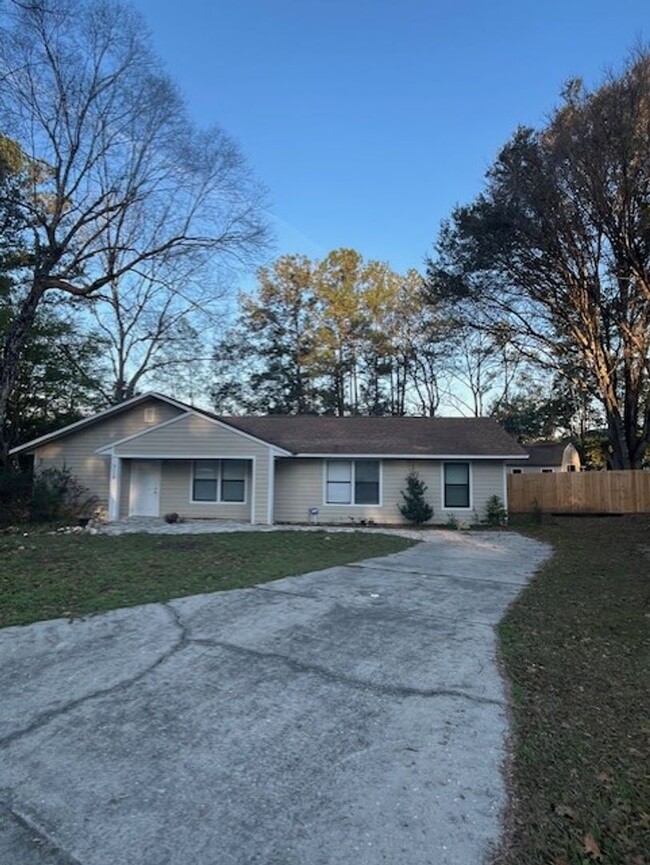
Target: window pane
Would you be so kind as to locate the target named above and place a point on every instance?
(366, 470)
(366, 493)
(457, 485)
(339, 471)
(232, 491)
(457, 473)
(205, 469)
(204, 490)
(338, 493)
(233, 470)
(457, 496)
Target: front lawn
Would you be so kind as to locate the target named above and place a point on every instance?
(49, 576)
(576, 649)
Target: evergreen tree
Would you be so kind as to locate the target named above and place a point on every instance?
(415, 509)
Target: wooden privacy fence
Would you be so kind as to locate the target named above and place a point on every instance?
(580, 492)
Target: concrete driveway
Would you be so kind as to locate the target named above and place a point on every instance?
(354, 715)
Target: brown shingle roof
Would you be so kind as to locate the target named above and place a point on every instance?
(545, 453)
(408, 436)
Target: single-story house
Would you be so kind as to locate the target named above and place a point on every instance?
(152, 455)
(548, 457)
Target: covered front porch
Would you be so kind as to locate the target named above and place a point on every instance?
(193, 466)
(222, 489)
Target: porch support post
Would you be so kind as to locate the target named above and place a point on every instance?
(114, 488)
(253, 488)
(270, 488)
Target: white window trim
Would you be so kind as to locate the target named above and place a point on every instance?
(445, 507)
(352, 460)
(219, 501)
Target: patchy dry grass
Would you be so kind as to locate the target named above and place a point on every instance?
(576, 650)
(49, 576)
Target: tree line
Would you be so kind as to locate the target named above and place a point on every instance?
(122, 225)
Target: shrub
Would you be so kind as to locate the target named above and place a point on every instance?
(536, 515)
(495, 512)
(52, 495)
(415, 509)
(15, 494)
(452, 523)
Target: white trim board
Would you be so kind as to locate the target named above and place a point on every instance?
(382, 456)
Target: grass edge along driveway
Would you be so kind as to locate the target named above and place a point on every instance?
(56, 576)
(575, 647)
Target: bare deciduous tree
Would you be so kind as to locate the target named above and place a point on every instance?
(125, 178)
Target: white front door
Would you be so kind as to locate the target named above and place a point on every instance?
(144, 491)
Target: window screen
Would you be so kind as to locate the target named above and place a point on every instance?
(204, 485)
(339, 482)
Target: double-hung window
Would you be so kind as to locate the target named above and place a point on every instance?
(352, 482)
(219, 481)
(456, 485)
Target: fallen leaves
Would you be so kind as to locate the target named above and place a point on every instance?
(565, 811)
(592, 848)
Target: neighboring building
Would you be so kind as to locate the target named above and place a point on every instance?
(152, 455)
(548, 457)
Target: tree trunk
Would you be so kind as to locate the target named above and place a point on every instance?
(16, 339)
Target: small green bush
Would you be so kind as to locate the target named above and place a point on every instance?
(536, 515)
(415, 509)
(452, 523)
(495, 512)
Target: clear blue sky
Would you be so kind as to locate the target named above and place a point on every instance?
(368, 120)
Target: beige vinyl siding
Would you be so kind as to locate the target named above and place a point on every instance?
(193, 436)
(176, 493)
(76, 451)
(300, 485)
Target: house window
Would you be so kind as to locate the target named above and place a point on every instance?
(516, 471)
(233, 480)
(456, 493)
(352, 482)
(219, 481)
(547, 471)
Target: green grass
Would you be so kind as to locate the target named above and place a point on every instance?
(576, 650)
(50, 576)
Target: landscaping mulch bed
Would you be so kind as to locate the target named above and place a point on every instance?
(575, 647)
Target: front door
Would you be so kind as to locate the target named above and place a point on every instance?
(144, 492)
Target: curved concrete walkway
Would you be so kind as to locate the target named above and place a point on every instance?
(353, 715)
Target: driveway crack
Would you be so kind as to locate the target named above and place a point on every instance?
(348, 681)
(39, 836)
(49, 715)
